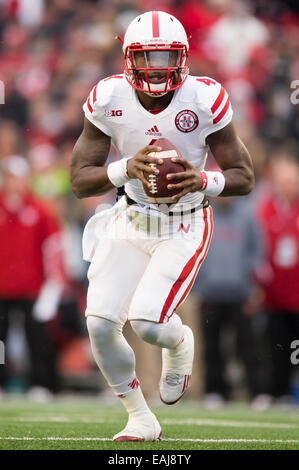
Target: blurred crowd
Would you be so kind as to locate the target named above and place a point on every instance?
(52, 52)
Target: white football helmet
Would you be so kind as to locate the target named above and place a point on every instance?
(155, 49)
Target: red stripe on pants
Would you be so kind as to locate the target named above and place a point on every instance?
(186, 271)
(193, 278)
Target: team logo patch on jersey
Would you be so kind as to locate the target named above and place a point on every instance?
(186, 121)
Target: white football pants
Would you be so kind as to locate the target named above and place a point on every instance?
(144, 281)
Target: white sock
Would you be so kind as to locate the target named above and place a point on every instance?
(135, 403)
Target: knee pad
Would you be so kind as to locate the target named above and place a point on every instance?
(103, 330)
(165, 335)
(112, 353)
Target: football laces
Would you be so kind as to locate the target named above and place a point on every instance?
(152, 179)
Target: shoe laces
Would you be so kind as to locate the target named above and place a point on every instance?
(174, 379)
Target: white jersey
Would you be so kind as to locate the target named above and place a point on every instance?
(198, 108)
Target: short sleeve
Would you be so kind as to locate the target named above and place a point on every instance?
(218, 107)
(94, 110)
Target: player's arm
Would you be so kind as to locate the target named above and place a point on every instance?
(88, 173)
(234, 160)
(232, 157)
(89, 176)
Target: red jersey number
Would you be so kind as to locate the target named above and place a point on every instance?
(206, 81)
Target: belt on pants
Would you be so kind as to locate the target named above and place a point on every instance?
(205, 203)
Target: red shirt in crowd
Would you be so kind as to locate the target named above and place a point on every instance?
(280, 278)
(30, 248)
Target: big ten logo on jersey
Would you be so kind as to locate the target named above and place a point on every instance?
(113, 112)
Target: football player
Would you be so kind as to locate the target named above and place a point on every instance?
(140, 278)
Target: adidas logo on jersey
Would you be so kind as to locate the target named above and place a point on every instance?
(153, 131)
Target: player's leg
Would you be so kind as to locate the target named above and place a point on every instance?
(165, 335)
(113, 355)
(113, 275)
(177, 342)
(164, 286)
(116, 360)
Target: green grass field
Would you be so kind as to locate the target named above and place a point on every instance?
(86, 423)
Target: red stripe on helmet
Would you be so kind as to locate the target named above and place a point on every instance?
(155, 20)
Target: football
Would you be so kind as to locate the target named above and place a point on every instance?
(158, 193)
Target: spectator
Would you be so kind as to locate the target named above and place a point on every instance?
(238, 32)
(32, 275)
(225, 288)
(279, 275)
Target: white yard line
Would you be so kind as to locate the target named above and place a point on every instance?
(56, 419)
(218, 422)
(294, 441)
(166, 421)
(269, 441)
